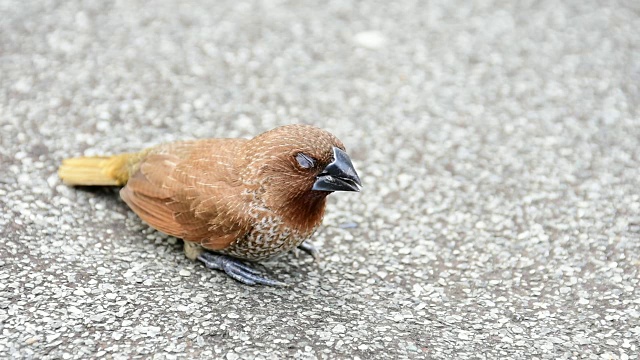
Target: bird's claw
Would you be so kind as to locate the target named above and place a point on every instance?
(309, 249)
(236, 269)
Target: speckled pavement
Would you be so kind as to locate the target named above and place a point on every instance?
(498, 143)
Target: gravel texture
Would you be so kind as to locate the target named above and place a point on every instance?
(498, 143)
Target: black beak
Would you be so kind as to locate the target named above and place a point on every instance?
(339, 175)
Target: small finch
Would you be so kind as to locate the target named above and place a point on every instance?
(230, 200)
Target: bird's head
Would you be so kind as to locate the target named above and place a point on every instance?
(299, 165)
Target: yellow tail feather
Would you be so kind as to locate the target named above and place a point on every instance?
(96, 170)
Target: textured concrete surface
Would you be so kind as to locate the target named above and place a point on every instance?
(499, 145)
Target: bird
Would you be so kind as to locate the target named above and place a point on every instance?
(233, 201)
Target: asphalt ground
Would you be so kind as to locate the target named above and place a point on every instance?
(498, 143)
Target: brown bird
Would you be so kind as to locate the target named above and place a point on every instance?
(229, 199)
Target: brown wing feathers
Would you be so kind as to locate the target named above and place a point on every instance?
(147, 196)
(186, 191)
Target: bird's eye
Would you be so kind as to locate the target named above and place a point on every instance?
(305, 161)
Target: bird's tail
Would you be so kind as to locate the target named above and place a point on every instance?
(96, 170)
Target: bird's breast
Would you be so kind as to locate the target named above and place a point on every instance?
(269, 236)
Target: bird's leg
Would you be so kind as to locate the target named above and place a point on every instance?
(236, 269)
(192, 250)
(309, 249)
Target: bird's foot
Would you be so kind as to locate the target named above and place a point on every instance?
(309, 249)
(236, 269)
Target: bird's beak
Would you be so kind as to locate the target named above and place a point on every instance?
(339, 175)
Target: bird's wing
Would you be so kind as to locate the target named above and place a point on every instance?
(191, 190)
